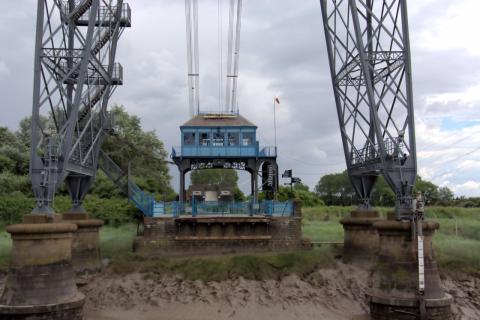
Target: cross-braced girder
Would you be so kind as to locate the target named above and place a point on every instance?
(369, 54)
(75, 75)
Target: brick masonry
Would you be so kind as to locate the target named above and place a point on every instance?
(221, 235)
(394, 291)
(86, 257)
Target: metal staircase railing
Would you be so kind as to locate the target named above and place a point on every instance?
(93, 101)
(114, 172)
(142, 200)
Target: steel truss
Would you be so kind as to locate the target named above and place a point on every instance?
(369, 53)
(75, 74)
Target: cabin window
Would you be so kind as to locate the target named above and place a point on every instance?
(232, 139)
(218, 139)
(189, 138)
(248, 138)
(204, 139)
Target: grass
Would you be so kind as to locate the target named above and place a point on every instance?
(117, 241)
(5, 247)
(457, 242)
(457, 246)
(217, 268)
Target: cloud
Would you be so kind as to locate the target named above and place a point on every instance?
(282, 53)
(469, 188)
(4, 70)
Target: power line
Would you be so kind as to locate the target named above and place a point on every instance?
(452, 160)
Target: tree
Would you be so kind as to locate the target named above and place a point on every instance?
(335, 189)
(14, 156)
(382, 194)
(428, 190)
(142, 149)
(308, 198)
(445, 196)
(301, 187)
(222, 177)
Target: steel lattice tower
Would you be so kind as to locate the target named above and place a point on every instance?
(369, 53)
(75, 74)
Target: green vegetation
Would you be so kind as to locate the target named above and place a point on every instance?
(457, 242)
(128, 145)
(457, 246)
(145, 153)
(336, 189)
(114, 211)
(217, 268)
(219, 177)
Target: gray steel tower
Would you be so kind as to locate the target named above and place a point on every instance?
(75, 75)
(369, 52)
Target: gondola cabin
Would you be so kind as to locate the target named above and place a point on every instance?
(220, 135)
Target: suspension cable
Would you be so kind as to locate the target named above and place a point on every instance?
(229, 56)
(188, 8)
(195, 41)
(220, 55)
(192, 55)
(233, 55)
(236, 56)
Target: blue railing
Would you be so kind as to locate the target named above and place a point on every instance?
(146, 203)
(142, 200)
(225, 151)
(276, 208)
(264, 208)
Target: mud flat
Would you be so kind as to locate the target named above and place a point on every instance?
(334, 294)
(326, 294)
(337, 293)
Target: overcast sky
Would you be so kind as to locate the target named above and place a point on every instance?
(282, 53)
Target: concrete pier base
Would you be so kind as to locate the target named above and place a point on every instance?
(360, 237)
(86, 257)
(394, 294)
(216, 234)
(40, 284)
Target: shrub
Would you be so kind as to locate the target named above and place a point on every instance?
(6, 164)
(13, 183)
(114, 211)
(13, 207)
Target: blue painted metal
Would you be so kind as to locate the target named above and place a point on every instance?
(264, 208)
(142, 200)
(194, 207)
(225, 151)
(146, 203)
(221, 141)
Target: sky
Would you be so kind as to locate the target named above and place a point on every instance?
(282, 54)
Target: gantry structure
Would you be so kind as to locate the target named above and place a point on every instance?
(226, 141)
(75, 73)
(221, 139)
(369, 53)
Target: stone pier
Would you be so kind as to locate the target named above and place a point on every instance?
(200, 235)
(40, 284)
(360, 237)
(394, 295)
(86, 257)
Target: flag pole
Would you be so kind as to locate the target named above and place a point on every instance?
(275, 122)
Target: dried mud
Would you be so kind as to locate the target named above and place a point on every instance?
(331, 294)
